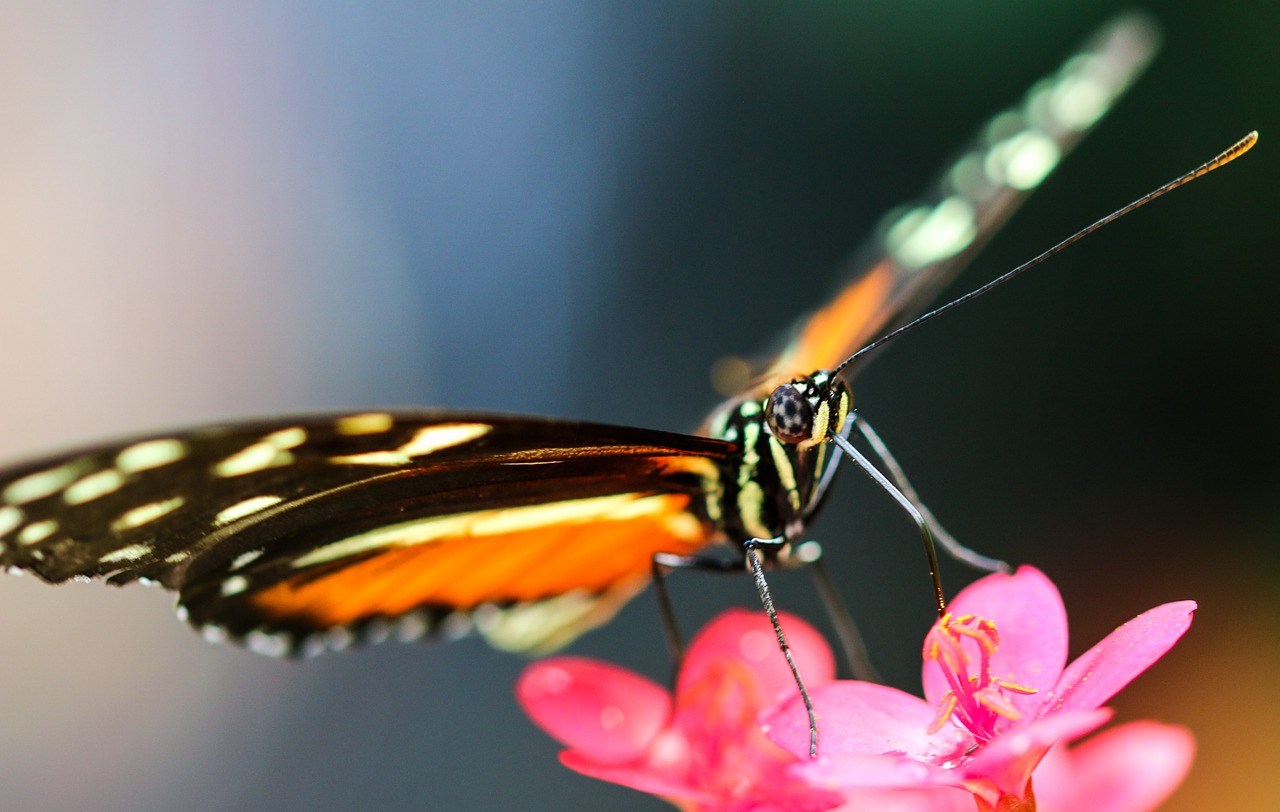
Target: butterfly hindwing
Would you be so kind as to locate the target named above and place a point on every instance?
(337, 521)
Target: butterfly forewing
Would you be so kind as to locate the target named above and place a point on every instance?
(334, 521)
(919, 249)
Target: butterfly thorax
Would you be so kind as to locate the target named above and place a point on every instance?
(774, 484)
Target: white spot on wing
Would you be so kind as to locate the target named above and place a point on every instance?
(144, 514)
(1023, 160)
(150, 454)
(42, 483)
(286, 438)
(272, 645)
(245, 508)
(372, 458)
(234, 585)
(253, 458)
(339, 638)
(370, 423)
(131, 553)
(94, 486)
(486, 615)
(1079, 102)
(245, 559)
(10, 517)
(456, 626)
(426, 440)
(312, 646)
(214, 634)
(412, 626)
(923, 235)
(37, 531)
(446, 435)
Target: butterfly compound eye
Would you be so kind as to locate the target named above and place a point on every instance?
(789, 414)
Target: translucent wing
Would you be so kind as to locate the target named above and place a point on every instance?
(920, 248)
(280, 530)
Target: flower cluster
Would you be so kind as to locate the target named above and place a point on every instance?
(1000, 706)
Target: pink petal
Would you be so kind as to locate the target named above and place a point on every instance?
(709, 761)
(747, 636)
(1008, 761)
(943, 799)
(860, 771)
(1028, 611)
(1124, 654)
(606, 713)
(1131, 768)
(639, 776)
(861, 718)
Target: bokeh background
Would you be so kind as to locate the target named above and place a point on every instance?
(575, 208)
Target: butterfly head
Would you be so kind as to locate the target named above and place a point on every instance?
(809, 410)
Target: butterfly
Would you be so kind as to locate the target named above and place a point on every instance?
(302, 533)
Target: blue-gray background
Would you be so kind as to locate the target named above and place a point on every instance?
(574, 208)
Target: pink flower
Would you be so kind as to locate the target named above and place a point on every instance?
(1128, 768)
(705, 750)
(1001, 705)
(997, 698)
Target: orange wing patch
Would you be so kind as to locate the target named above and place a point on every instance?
(843, 327)
(508, 555)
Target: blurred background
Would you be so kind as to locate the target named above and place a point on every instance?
(575, 208)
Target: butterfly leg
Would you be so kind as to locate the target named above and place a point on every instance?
(662, 562)
(766, 598)
(670, 629)
(711, 562)
(948, 542)
(714, 563)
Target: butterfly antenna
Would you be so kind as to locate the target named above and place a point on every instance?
(1230, 154)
